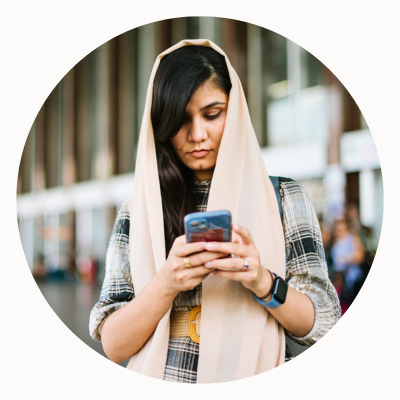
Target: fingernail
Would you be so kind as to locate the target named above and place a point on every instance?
(235, 227)
(208, 264)
(209, 246)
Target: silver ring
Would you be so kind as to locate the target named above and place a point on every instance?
(246, 265)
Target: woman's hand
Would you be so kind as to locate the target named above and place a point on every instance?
(296, 315)
(256, 278)
(181, 278)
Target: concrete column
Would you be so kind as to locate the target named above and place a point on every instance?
(26, 230)
(113, 121)
(255, 81)
(127, 107)
(60, 131)
(84, 232)
(294, 86)
(218, 32)
(163, 33)
(69, 129)
(39, 159)
(51, 139)
(25, 173)
(335, 183)
(207, 28)
(101, 117)
(179, 29)
(84, 105)
(146, 58)
(378, 203)
(32, 136)
(235, 47)
(367, 198)
(335, 180)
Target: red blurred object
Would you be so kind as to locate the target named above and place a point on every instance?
(87, 267)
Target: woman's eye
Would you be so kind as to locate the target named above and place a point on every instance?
(214, 115)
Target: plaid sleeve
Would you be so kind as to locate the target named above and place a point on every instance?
(117, 289)
(306, 269)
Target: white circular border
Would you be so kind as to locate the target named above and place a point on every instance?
(42, 40)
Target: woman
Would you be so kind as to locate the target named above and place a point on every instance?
(198, 151)
(348, 254)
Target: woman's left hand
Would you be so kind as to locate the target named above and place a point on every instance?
(255, 278)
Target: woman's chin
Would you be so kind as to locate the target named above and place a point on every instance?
(200, 165)
(203, 174)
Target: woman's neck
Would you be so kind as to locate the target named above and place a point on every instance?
(204, 175)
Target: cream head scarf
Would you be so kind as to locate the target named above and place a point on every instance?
(238, 337)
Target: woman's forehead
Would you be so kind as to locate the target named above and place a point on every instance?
(205, 95)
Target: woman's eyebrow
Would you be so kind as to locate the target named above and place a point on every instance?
(211, 105)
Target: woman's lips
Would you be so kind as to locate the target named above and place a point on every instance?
(199, 153)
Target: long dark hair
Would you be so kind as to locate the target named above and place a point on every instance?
(178, 76)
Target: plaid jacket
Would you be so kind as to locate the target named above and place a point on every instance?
(306, 271)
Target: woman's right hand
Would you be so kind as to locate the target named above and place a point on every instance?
(180, 278)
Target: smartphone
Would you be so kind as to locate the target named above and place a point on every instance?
(209, 226)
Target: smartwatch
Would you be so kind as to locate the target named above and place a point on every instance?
(279, 292)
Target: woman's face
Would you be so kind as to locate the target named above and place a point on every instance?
(197, 142)
(340, 229)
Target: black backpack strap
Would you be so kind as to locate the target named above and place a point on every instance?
(275, 184)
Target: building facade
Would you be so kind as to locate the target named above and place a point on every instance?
(78, 162)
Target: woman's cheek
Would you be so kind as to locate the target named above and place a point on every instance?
(220, 129)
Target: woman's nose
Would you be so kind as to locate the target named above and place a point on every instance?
(197, 132)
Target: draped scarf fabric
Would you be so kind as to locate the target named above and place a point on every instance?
(238, 337)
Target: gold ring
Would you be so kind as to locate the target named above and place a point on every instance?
(187, 262)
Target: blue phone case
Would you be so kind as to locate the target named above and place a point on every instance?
(210, 226)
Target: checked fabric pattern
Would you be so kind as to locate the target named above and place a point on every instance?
(306, 271)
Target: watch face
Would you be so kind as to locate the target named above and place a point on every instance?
(281, 289)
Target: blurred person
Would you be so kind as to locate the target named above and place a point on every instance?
(71, 273)
(325, 232)
(87, 269)
(347, 254)
(154, 280)
(365, 234)
(39, 269)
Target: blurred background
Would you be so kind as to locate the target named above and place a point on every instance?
(77, 166)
